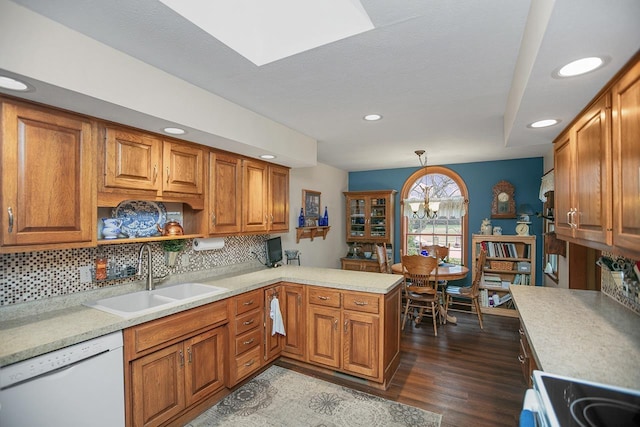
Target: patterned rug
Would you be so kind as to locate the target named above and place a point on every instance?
(280, 397)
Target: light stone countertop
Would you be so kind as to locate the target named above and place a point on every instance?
(37, 331)
(581, 334)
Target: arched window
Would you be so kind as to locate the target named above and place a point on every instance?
(435, 202)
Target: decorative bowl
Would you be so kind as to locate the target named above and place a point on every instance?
(367, 255)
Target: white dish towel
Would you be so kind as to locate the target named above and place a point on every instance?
(276, 316)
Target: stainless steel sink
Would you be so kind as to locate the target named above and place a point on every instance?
(144, 302)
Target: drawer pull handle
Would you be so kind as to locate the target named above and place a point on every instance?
(250, 362)
(361, 303)
(250, 302)
(213, 219)
(520, 331)
(346, 326)
(247, 342)
(189, 353)
(181, 358)
(155, 173)
(521, 359)
(248, 322)
(10, 211)
(323, 298)
(335, 324)
(168, 174)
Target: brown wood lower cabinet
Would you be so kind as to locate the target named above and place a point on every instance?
(360, 264)
(525, 358)
(354, 332)
(176, 366)
(246, 329)
(173, 363)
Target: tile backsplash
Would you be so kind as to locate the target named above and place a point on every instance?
(32, 276)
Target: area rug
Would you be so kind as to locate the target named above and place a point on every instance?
(280, 397)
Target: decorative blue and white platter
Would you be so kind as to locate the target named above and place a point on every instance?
(140, 217)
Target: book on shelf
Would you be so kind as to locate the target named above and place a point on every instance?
(503, 250)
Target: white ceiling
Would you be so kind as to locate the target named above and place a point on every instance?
(458, 78)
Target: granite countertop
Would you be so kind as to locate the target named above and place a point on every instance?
(43, 326)
(581, 334)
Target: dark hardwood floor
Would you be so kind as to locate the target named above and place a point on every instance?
(471, 377)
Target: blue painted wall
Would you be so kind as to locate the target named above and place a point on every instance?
(480, 178)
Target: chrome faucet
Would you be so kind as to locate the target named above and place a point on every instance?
(150, 279)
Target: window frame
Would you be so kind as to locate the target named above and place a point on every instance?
(404, 194)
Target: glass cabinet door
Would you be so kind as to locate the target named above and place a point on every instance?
(357, 217)
(378, 219)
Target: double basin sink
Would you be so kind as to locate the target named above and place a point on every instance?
(144, 302)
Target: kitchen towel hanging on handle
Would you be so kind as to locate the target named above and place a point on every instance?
(276, 317)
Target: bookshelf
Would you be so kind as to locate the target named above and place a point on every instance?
(511, 260)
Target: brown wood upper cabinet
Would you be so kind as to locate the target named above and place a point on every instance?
(597, 170)
(48, 189)
(583, 162)
(142, 164)
(247, 196)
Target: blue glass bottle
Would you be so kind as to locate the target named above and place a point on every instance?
(325, 218)
(301, 218)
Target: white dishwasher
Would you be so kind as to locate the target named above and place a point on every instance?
(80, 385)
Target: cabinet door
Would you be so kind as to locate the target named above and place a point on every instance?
(294, 320)
(132, 160)
(48, 177)
(626, 162)
(273, 344)
(324, 335)
(225, 195)
(378, 219)
(254, 196)
(278, 198)
(205, 364)
(562, 170)
(360, 343)
(591, 179)
(357, 218)
(158, 386)
(183, 167)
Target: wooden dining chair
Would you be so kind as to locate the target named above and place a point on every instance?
(441, 252)
(383, 260)
(420, 275)
(468, 295)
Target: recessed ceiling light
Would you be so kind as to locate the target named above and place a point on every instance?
(544, 123)
(267, 156)
(372, 117)
(580, 66)
(175, 131)
(13, 84)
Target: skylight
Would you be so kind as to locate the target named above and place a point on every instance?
(266, 31)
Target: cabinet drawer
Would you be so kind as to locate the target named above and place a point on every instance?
(248, 321)
(169, 328)
(247, 302)
(324, 297)
(361, 302)
(247, 341)
(248, 363)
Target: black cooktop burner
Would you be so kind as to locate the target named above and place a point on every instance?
(578, 404)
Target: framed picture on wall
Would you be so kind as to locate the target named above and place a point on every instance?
(311, 203)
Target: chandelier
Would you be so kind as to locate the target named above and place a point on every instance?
(422, 208)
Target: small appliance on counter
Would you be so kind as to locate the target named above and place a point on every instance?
(559, 401)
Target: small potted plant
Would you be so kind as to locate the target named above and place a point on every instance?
(171, 249)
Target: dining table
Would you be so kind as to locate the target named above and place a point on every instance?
(446, 272)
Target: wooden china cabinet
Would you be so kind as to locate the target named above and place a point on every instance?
(370, 221)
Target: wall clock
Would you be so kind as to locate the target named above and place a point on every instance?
(504, 204)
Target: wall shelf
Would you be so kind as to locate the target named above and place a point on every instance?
(311, 232)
